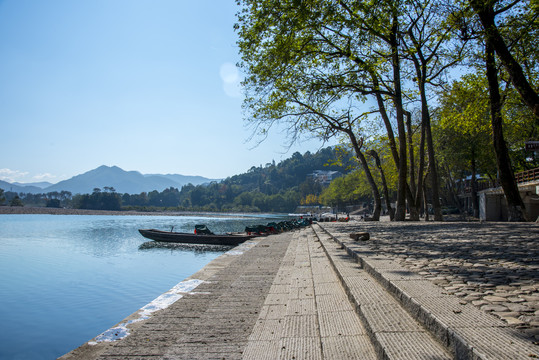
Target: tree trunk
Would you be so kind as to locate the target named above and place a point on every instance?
(413, 204)
(421, 167)
(515, 206)
(374, 189)
(410, 151)
(433, 171)
(387, 122)
(390, 210)
(400, 214)
(486, 15)
(409, 197)
(473, 184)
(425, 120)
(425, 200)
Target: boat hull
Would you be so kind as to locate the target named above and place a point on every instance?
(186, 238)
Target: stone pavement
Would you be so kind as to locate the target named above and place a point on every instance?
(494, 266)
(317, 294)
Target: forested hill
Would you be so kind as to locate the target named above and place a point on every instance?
(271, 179)
(271, 187)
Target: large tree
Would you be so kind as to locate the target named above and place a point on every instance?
(429, 46)
(504, 28)
(522, 17)
(349, 48)
(301, 71)
(516, 210)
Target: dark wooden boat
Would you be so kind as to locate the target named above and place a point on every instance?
(187, 238)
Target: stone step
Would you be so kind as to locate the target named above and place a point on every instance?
(306, 314)
(393, 331)
(463, 330)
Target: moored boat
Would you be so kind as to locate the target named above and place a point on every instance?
(189, 238)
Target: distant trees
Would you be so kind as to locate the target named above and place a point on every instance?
(60, 199)
(16, 201)
(98, 200)
(53, 203)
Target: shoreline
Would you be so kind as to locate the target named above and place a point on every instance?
(93, 348)
(37, 210)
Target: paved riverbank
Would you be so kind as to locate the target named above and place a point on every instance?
(304, 295)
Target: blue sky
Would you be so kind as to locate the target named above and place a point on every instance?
(144, 85)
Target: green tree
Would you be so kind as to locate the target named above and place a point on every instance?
(313, 64)
(302, 74)
(504, 22)
(522, 16)
(98, 200)
(16, 201)
(346, 190)
(53, 203)
(463, 131)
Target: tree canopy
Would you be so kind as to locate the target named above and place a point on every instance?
(337, 68)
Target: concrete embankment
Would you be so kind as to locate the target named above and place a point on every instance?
(413, 290)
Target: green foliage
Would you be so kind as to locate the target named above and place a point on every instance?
(463, 128)
(53, 203)
(98, 200)
(347, 190)
(64, 198)
(16, 201)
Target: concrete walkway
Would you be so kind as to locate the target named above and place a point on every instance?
(315, 294)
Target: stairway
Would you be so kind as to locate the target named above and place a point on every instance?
(406, 316)
(309, 314)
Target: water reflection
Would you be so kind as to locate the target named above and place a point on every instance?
(66, 278)
(195, 248)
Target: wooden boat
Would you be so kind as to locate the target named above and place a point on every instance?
(187, 238)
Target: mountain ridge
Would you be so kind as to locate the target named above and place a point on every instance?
(131, 182)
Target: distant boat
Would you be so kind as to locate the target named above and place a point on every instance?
(188, 238)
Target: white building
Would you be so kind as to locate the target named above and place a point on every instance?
(324, 177)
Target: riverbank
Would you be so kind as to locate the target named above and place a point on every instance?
(33, 210)
(66, 278)
(437, 290)
(28, 210)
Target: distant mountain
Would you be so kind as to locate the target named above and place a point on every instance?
(41, 185)
(131, 182)
(185, 179)
(20, 188)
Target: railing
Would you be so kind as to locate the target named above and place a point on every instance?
(528, 175)
(483, 184)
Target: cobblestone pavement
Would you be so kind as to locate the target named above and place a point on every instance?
(494, 266)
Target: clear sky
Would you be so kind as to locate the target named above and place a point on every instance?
(146, 85)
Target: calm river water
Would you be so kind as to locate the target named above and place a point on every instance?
(67, 278)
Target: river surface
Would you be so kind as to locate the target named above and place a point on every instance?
(67, 278)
